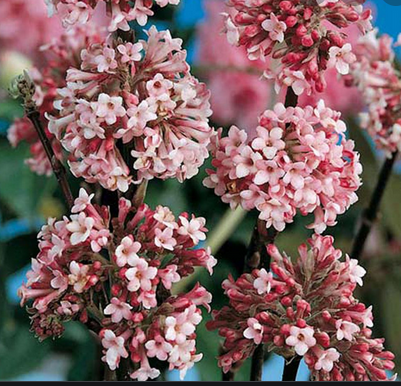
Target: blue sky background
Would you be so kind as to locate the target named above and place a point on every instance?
(388, 20)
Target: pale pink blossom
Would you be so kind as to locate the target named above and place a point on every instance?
(341, 58)
(80, 228)
(78, 276)
(158, 348)
(140, 276)
(326, 359)
(127, 252)
(118, 310)
(164, 239)
(115, 349)
(130, 52)
(263, 283)
(301, 339)
(254, 331)
(82, 201)
(346, 330)
(110, 108)
(193, 228)
(275, 27)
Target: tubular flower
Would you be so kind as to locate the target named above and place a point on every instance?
(121, 12)
(291, 32)
(379, 81)
(309, 310)
(84, 255)
(56, 58)
(298, 161)
(142, 95)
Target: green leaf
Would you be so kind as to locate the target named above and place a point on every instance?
(10, 109)
(20, 189)
(84, 350)
(391, 318)
(20, 352)
(391, 208)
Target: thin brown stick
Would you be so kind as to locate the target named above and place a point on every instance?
(370, 214)
(58, 168)
(291, 369)
(24, 88)
(257, 256)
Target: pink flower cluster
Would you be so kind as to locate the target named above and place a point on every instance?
(237, 96)
(142, 95)
(119, 271)
(299, 161)
(379, 81)
(56, 58)
(21, 15)
(121, 12)
(291, 32)
(306, 308)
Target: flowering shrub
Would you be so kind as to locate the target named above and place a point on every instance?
(121, 12)
(143, 95)
(299, 161)
(304, 307)
(136, 257)
(378, 80)
(292, 34)
(57, 57)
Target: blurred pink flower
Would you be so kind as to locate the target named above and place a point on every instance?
(18, 16)
(238, 95)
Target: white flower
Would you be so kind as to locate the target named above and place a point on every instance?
(301, 339)
(80, 227)
(254, 331)
(327, 359)
(346, 330)
(263, 283)
(275, 28)
(341, 58)
(114, 349)
(82, 201)
(126, 252)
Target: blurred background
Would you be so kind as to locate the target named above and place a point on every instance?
(238, 97)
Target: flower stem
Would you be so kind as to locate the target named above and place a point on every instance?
(58, 168)
(257, 256)
(257, 363)
(370, 214)
(291, 369)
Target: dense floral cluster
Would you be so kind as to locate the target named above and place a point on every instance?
(304, 308)
(119, 271)
(56, 58)
(292, 34)
(379, 81)
(299, 161)
(141, 95)
(23, 15)
(121, 12)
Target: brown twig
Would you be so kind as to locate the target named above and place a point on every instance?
(291, 369)
(370, 214)
(58, 168)
(24, 88)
